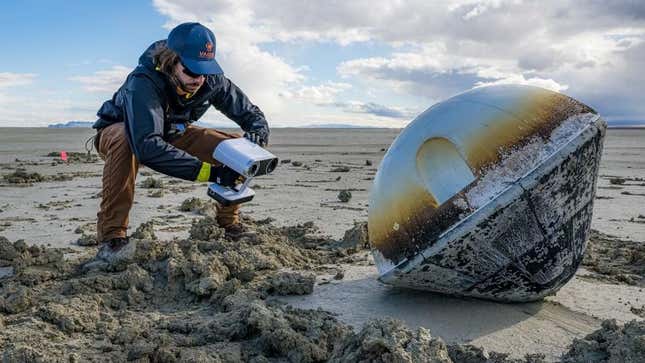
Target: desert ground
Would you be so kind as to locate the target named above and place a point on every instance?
(305, 288)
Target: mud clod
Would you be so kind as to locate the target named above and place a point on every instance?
(617, 181)
(356, 238)
(388, 340)
(21, 176)
(199, 206)
(206, 230)
(152, 183)
(145, 231)
(610, 343)
(290, 283)
(87, 240)
(344, 196)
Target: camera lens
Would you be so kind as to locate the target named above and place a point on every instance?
(271, 165)
(252, 170)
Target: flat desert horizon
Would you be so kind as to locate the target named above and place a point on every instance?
(53, 204)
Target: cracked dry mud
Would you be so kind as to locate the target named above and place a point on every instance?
(205, 299)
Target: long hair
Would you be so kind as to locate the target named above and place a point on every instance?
(165, 58)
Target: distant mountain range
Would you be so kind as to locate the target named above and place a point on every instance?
(336, 126)
(211, 125)
(72, 124)
(625, 124)
(612, 125)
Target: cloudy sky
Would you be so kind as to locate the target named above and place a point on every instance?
(372, 63)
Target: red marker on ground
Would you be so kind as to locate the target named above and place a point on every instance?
(63, 155)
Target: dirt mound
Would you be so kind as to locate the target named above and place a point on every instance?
(611, 343)
(389, 340)
(205, 299)
(198, 299)
(471, 354)
(615, 260)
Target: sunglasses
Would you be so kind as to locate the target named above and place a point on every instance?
(187, 72)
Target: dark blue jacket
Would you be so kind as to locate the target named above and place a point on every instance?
(148, 104)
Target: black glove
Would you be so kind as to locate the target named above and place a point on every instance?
(225, 176)
(258, 132)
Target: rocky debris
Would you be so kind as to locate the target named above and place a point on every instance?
(339, 275)
(87, 240)
(152, 183)
(145, 231)
(638, 311)
(21, 176)
(20, 256)
(205, 299)
(176, 300)
(344, 196)
(206, 230)
(356, 238)
(388, 340)
(615, 260)
(199, 206)
(617, 181)
(15, 299)
(159, 193)
(611, 343)
(296, 163)
(340, 169)
(471, 354)
(368, 162)
(74, 157)
(290, 283)
(285, 161)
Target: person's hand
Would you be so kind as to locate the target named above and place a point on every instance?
(258, 132)
(225, 176)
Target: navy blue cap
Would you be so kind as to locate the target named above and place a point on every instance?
(195, 45)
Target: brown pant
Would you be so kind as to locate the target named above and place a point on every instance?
(120, 172)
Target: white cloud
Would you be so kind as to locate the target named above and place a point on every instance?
(41, 109)
(319, 95)
(8, 79)
(474, 8)
(519, 79)
(376, 109)
(260, 74)
(444, 47)
(589, 49)
(107, 80)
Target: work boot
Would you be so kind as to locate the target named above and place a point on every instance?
(114, 254)
(236, 231)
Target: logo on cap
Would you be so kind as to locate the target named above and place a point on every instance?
(208, 53)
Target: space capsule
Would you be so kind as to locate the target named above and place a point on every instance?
(488, 194)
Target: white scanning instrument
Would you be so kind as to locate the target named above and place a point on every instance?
(247, 159)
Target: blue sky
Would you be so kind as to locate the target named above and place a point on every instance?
(322, 62)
